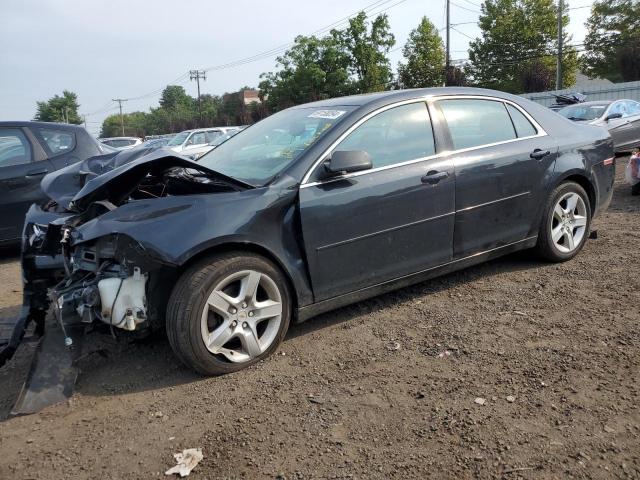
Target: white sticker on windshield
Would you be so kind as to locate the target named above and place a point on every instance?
(328, 114)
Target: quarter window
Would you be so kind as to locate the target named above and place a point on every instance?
(473, 123)
(520, 122)
(14, 147)
(396, 135)
(58, 141)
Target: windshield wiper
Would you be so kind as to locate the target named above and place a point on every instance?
(576, 119)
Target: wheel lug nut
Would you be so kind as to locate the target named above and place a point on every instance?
(234, 323)
(232, 310)
(245, 325)
(251, 314)
(244, 305)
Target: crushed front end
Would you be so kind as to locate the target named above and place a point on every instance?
(89, 262)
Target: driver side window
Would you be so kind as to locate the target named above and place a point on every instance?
(394, 136)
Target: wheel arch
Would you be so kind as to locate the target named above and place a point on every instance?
(248, 247)
(582, 179)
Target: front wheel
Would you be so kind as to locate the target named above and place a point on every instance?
(228, 312)
(565, 223)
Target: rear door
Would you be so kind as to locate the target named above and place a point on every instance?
(369, 227)
(59, 145)
(22, 166)
(500, 157)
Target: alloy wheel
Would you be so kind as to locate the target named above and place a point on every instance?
(569, 222)
(242, 316)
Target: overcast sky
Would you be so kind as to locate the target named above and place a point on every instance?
(104, 49)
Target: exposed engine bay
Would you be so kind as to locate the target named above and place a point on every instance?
(89, 272)
(106, 279)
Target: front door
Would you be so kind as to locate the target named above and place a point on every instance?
(500, 161)
(20, 178)
(369, 227)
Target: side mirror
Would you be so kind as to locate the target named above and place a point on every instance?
(347, 161)
(612, 116)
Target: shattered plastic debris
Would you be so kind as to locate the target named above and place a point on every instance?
(446, 353)
(187, 460)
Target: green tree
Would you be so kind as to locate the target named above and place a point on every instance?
(516, 36)
(313, 69)
(135, 125)
(59, 109)
(367, 50)
(175, 97)
(613, 40)
(424, 52)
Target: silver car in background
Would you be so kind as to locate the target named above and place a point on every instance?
(620, 117)
(121, 143)
(192, 142)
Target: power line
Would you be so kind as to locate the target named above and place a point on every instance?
(465, 8)
(274, 51)
(472, 3)
(284, 47)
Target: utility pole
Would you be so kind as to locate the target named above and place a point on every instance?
(120, 100)
(84, 120)
(197, 75)
(560, 41)
(448, 57)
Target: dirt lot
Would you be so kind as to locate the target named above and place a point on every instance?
(387, 388)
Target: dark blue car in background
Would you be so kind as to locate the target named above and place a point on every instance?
(28, 151)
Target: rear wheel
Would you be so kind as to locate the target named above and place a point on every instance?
(228, 312)
(565, 224)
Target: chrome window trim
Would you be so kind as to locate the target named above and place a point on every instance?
(426, 99)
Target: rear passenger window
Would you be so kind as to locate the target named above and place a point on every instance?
(58, 141)
(396, 135)
(473, 123)
(15, 149)
(521, 123)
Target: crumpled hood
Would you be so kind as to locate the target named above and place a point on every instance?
(113, 177)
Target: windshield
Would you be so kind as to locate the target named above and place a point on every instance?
(583, 112)
(178, 139)
(259, 153)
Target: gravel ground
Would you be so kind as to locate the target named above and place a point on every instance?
(512, 369)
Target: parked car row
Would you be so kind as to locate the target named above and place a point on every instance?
(197, 142)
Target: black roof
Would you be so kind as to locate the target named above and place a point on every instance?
(24, 123)
(399, 95)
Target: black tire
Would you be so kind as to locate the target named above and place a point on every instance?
(635, 190)
(546, 248)
(188, 300)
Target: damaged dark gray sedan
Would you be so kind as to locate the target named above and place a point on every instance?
(310, 209)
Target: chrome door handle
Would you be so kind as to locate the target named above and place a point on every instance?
(432, 177)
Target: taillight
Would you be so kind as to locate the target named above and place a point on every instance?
(609, 161)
